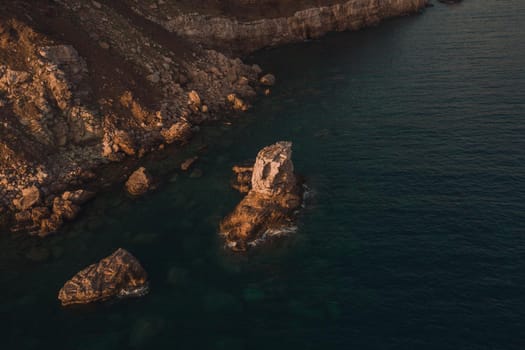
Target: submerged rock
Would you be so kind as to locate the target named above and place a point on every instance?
(139, 182)
(270, 206)
(118, 275)
(186, 165)
(268, 80)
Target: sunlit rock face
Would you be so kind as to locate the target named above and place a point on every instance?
(270, 206)
(118, 275)
(273, 170)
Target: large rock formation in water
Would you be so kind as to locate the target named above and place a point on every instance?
(271, 204)
(86, 84)
(116, 276)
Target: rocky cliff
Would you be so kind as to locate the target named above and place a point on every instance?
(119, 275)
(287, 25)
(87, 83)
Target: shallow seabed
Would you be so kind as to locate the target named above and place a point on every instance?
(411, 137)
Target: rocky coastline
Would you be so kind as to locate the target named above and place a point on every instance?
(84, 84)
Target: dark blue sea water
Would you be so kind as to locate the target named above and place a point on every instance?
(411, 136)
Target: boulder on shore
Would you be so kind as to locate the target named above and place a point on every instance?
(271, 204)
(139, 182)
(116, 276)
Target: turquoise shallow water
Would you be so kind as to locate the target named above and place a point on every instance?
(411, 137)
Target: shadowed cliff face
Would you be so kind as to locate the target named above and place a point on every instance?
(87, 83)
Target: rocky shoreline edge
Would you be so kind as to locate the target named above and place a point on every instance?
(87, 84)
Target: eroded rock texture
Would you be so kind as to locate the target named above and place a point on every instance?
(116, 276)
(270, 206)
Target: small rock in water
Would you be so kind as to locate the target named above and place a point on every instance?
(139, 182)
(118, 275)
(197, 173)
(188, 163)
(268, 80)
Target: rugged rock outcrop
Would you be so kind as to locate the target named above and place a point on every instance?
(270, 206)
(116, 276)
(139, 182)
